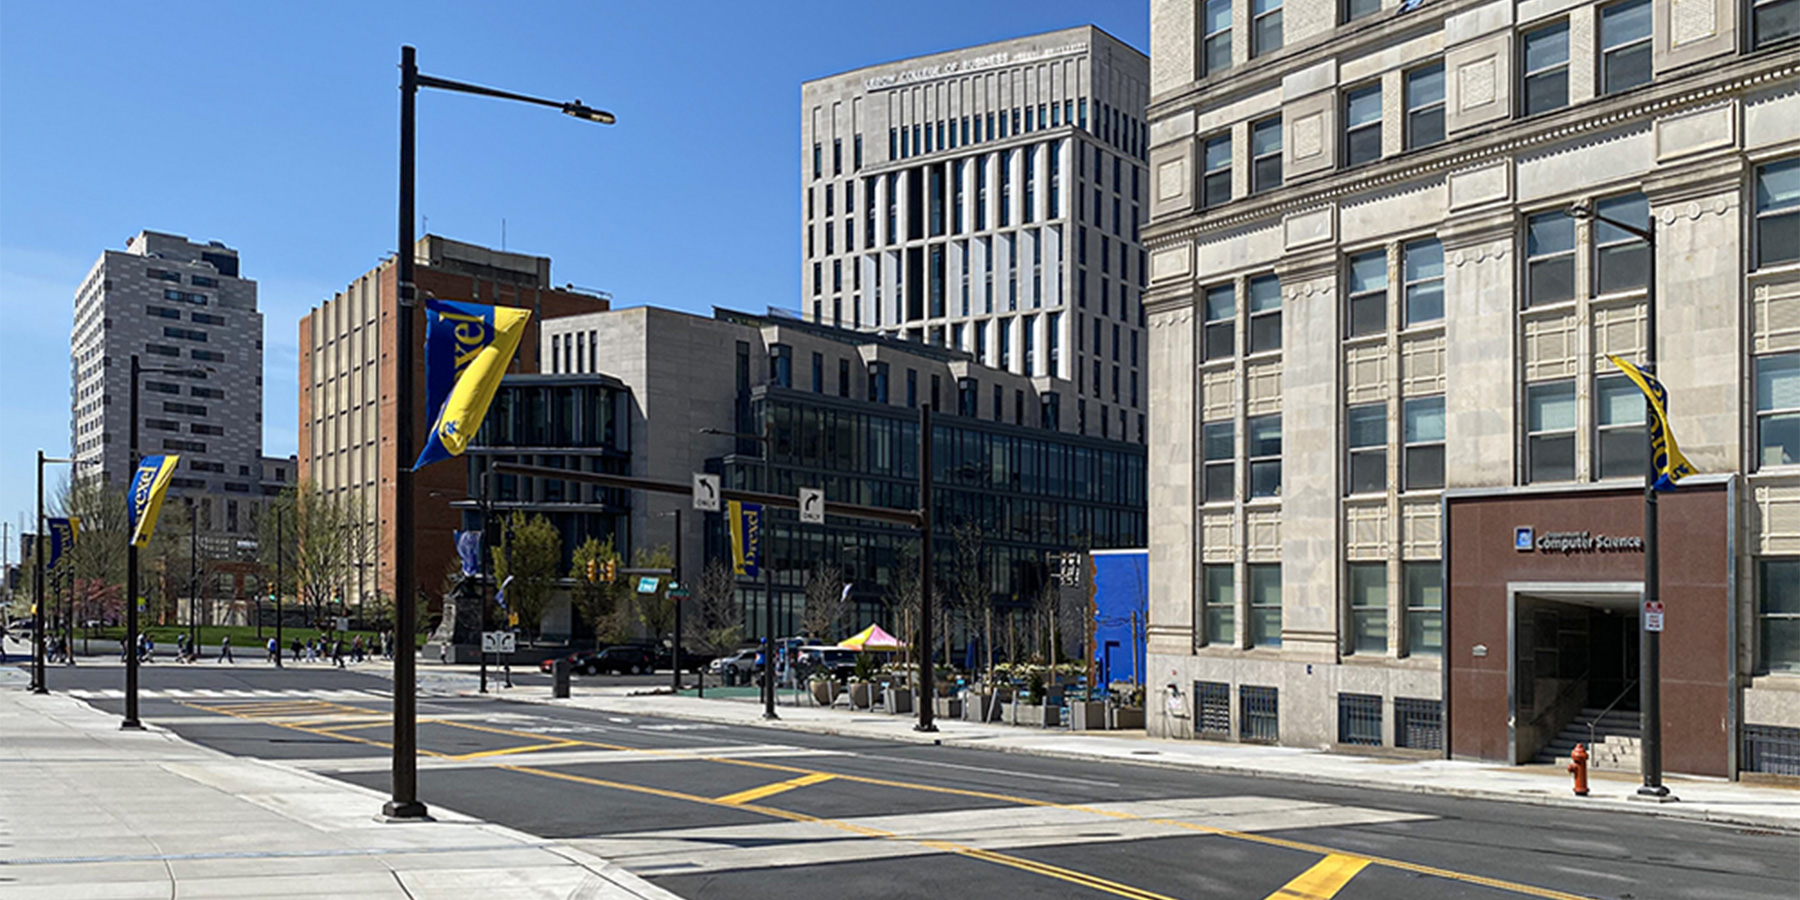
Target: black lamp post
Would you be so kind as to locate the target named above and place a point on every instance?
(404, 800)
(1649, 642)
(767, 439)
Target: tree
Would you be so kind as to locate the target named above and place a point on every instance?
(95, 566)
(319, 525)
(721, 625)
(278, 543)
(974, 592)
(825, 603)
(596, 599)
(903, 596)
(655, 611)
(530, 553)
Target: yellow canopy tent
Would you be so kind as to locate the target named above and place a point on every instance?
(871, 638)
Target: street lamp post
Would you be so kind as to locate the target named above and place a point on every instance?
(194, 577)
(1649, 642)
(767, 439)
(404, 801)
(280, 557)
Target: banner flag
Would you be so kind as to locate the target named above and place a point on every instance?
(148, 485)
(468, 547)
(1671, 466)
(62, 539)
(467, 349)
(746, 537)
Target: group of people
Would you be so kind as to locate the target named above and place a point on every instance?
(333, 650)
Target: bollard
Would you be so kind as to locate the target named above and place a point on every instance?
(559, 677)
(1578, 766)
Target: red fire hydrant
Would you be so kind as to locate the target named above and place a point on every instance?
(1578, 765)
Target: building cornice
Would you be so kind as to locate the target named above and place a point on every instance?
(1729, 82)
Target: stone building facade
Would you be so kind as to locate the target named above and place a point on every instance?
(989, 199)
(1383, 417)
(175, 304)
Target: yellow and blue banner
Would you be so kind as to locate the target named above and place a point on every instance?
(746, 537)
(1671, 466)
(467, 349)
(148, 486)
(62, 539)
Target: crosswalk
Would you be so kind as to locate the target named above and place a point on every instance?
(228, 694)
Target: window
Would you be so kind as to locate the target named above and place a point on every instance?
(1619, 441)
(1215, 185)
(1368, 293)
(1621, 259)
(1423, 456)
(1545, 69)
(1424, 586)
(1550, 420)
(1265, 604)
(781, 365)
(1362, 125)
(1265, 26)
(912, 388)
(1356, 9)
(1549, 259)
(1265, 456)
(1265, 155)
(1367, 430)
(1773, 21)
(1424, 273)
(1779, 613)
(1221, 322)
(818, 373)
(1624, 46)
(1778, 410)
(1425, 106)
(163, 312)
(1220, 466)
(1778, 209)
(1368, 608)
(816, 160)
(1215, 47)
(1219, 606)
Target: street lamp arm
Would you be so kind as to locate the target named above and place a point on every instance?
(573, 107)
(1584, 211)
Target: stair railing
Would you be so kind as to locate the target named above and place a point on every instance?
(1609, 708)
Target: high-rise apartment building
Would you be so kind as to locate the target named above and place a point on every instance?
(347, 406)
(989, 200)
(173, 303)
(1398, 484)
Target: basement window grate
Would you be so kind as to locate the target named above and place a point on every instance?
(1359, 719)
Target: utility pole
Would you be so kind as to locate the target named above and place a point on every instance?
(681, 585)
(927, 672)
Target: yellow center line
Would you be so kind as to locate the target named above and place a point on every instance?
(504, 751)
(1323, 880)
(770, 790)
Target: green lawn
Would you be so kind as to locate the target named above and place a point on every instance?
(241, 635)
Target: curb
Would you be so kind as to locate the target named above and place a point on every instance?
(1664, 810)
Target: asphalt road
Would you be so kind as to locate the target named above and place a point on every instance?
(716, 811)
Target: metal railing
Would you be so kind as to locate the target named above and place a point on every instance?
(1609, 708)
(1259, 717)
(1212, 708)
(1359, 719)
(1772, 749)
(1418, 724)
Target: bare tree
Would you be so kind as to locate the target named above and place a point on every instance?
(825, 603)
(974, 592)
(721, 625)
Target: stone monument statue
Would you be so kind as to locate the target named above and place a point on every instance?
(462, 613)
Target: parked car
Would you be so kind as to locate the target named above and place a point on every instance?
(734, 665)
(620, 660)
(838, 662)
(691, 661)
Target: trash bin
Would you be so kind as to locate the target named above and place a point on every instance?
(559, 677)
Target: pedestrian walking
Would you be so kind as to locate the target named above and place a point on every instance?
(356, 650)
(337, 652)
(312, 650)
(295, 647)
(225, 650)
(3, 637)
(274, 652)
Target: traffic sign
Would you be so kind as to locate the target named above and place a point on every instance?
(812, 506)
(647, 584)
(706, 492)
(1653, 615)
(498, 642)
(679, 594)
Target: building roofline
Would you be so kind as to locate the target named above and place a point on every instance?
(1089, 26)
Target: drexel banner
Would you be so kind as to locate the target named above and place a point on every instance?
(1671, 466)
(148, 485)
(467, 349)
(62, 539)
(746, 537)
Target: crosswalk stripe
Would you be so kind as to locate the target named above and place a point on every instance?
(1323, 880)
(229, 694)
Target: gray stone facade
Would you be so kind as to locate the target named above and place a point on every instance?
(176, 304)
(989, 199)
(1431, 302)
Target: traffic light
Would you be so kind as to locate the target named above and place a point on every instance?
(592, 569)
(612, 570)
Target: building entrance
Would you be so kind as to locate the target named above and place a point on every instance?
(1575, 672)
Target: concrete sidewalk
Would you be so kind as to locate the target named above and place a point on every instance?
(87, 810)
(1711, 800)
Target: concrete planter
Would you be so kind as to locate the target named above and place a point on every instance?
(862, 694)
(1087, 715)
(825, 692)
(989, 707)
(1126, 718)
(1044, 716)
(899, 700)
(948, 707)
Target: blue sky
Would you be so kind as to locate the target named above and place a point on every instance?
(271, 127)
